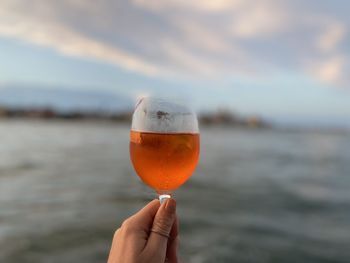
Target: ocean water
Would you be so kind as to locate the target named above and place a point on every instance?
(257, 195)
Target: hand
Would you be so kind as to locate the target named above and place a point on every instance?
(148, 236)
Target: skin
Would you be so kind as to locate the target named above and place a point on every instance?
(134, 242)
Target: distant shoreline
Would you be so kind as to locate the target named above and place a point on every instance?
(223, 119)
(219, 118)
(88, 121)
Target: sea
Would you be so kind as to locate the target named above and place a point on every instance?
(257, 195)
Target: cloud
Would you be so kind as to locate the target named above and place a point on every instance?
(198, 39)
(194, 5)
(67, 41)
(328, 70)
(331, 37)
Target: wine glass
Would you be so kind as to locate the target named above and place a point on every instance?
(164, 144)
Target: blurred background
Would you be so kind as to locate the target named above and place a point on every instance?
(269, 80)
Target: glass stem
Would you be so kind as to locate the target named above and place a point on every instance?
(163, 197)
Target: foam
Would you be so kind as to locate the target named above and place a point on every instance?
(163, 116)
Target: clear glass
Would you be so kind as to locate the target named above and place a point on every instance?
(164, 144)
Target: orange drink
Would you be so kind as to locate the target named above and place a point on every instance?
(164, 161)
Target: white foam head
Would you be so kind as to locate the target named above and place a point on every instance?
(163, 116)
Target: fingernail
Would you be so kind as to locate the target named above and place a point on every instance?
(170, 205)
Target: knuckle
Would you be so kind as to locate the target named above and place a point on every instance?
(163, 225)
(128, 226)
(127, 223)
(116, 233)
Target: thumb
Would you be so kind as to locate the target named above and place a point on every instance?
(162, 224)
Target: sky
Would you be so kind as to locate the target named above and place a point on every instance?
(286, 60)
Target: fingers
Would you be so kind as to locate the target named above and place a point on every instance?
(162, 226)
(172, 251)
(174, 229)
(134, 231)
(113, 250)
(173, 243)
(143, 219)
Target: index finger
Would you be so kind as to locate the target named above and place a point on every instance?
(144, 218)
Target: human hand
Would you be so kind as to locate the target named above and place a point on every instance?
(148, 236)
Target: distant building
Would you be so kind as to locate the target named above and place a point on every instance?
(3, 112)
(224, 117)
